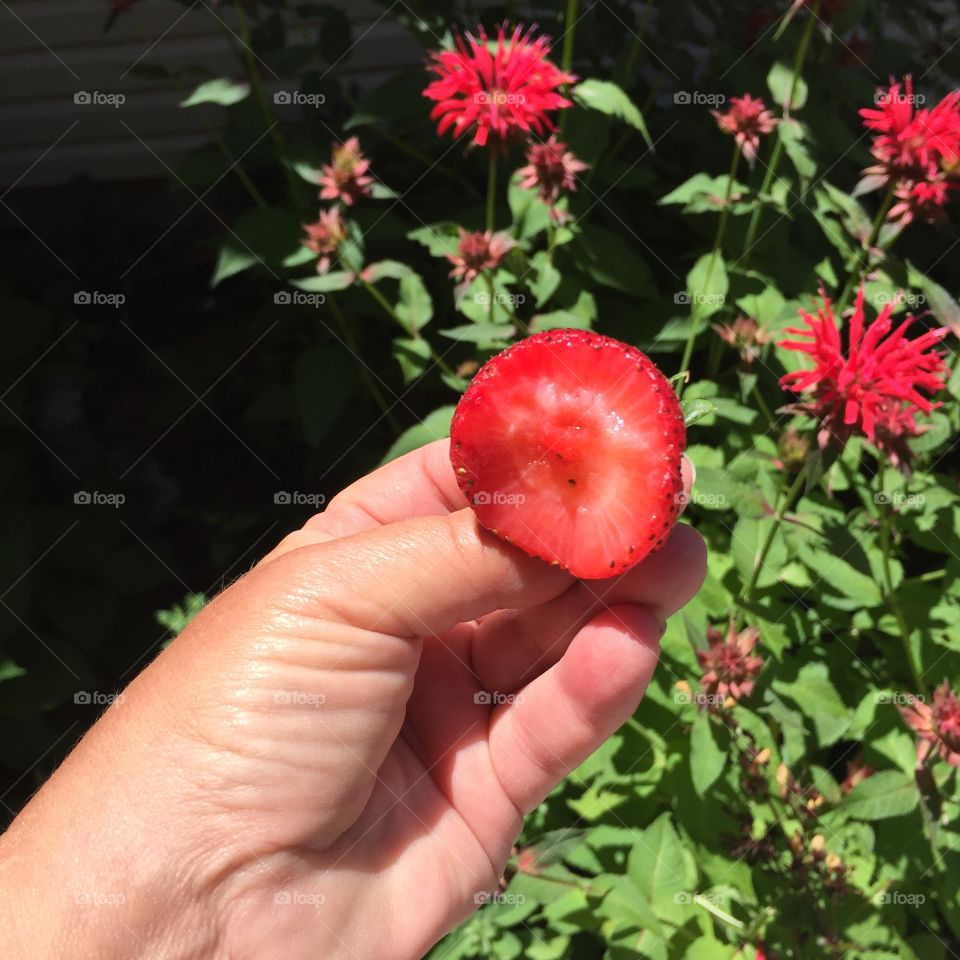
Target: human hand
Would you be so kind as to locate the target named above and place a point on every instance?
(316, 766)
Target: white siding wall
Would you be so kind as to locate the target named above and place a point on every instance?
(52, 49)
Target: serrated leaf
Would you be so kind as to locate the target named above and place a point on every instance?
(890, 793)
(694, 410)
(780, 80)
(610, 99)
(817, 699)
(415, 308)
(707, 760)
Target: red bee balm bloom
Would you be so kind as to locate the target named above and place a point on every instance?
(552, 168)
(325, 236)
(502, 94)
(938, 725)
(346, 177)
(478, 251)
(729, 665)
(746, 119)
(874, 388)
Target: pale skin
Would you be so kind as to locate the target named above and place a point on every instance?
(306, 772)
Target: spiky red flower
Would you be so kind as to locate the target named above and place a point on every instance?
(729, 666)
(501, 95)
(924, 200)
(478, 251)
(873, 388)
(937, 724)
(746, 335)
(346, 178)
(325, 236)
(909, 142)
(551, 168)
(747, 118)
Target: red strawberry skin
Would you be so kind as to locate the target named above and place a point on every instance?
(568, 444)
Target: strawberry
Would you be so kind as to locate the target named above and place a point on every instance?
(568, 445)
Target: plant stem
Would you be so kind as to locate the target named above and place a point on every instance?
(717, 245)
(491, 188)
(890, 594)
(569, 32)
(372, 386)
(863, 256)
(786, 503)
(775, 157)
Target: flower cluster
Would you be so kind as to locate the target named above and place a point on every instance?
(500, 95)
(872, 389)
(551, 168)
(729, 663)
(917, 151)
(937, 725)
(747, 118)
(344, 180)
(477, 251)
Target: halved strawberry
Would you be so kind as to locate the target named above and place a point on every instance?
(568, 445)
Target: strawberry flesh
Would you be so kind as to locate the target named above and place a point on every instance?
(568, 445)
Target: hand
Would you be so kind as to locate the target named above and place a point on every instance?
(335, 757)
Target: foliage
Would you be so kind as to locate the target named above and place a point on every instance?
(789, 818)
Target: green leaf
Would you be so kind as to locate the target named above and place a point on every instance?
(413, 355)
(694, 410)
(608, 98)
(656, 865)
(385, 270)
(484, 333)
(415, 308)
(325, 282)
(780, 80)
(434, 426)
(706, 758)
(791, 136)
(547, 277)
(818, 700)
(439, 238)
(707, 285)
(890, 793)
(942, 305)
(748, 537)
(266, 236)
(558, 320)
(221, 90)
(179, 615)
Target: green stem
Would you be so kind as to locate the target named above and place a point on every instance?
(764, 409)
(569, 32)
(293, 182)
(775, 157)
(491, 188)
(863, 255)
(717, 245)
(372, 386)
(890, 594)
(786, 502)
